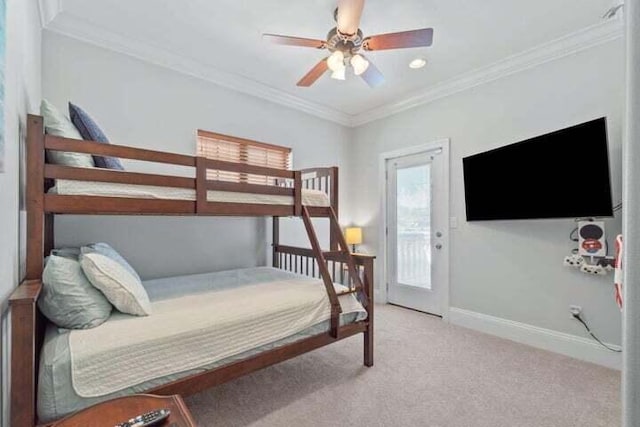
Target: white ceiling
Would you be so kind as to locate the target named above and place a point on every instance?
(225, 35)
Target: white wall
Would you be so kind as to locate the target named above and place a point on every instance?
(508, 269)
(22, 95)
(144, 105)
(631, 280)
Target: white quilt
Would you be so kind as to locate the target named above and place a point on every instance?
(193, 331)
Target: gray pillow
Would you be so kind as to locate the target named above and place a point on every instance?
(67, 297)
(122, 289)
(108, 251)
(58, 124)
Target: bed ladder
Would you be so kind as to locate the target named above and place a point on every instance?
(355, 284)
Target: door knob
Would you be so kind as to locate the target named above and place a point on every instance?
(439, 246)
(438, 234)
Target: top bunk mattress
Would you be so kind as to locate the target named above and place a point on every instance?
(66, 187)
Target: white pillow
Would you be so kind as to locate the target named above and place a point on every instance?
(120, 287)
(57, 124)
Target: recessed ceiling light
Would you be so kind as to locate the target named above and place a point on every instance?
(417, 63)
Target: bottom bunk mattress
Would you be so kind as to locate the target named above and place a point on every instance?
(68, 381)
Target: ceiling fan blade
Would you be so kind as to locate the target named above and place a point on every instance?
(318, 70)
(349, 13)
(414, 38)
(294, 41)
(372, 75)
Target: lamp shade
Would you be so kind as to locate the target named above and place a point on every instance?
(339, 74)
(359, 64)
(335, 62)
(353, 235)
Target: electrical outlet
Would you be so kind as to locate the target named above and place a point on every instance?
(575, 310)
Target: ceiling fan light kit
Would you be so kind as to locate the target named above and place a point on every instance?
(346, 40)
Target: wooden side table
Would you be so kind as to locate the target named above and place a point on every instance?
(112, 412)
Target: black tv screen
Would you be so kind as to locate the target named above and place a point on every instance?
(564, 174)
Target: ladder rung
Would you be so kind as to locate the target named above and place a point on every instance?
(350, 291)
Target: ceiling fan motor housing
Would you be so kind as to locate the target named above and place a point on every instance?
(346, 44)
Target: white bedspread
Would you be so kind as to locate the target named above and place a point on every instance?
(67, 187)
(192, 331)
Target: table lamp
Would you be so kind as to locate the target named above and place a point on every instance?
(353, 236)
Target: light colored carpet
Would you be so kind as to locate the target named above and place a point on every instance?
(426, 373)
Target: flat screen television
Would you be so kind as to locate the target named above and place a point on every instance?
(563, 174)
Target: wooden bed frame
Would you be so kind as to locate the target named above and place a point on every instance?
(335, 265)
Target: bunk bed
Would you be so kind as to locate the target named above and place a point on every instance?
(57, 190)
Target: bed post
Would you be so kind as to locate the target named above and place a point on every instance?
(333, 194)
(275, 241)
(35, 197)
(49, 240)
(26, 339)
(297, 193)
(201, 185)
(26, 321)
(367, 264)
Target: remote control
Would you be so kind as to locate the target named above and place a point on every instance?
(148, 419)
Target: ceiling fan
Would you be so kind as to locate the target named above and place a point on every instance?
(345, 42)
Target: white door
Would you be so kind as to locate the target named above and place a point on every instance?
(417, 223)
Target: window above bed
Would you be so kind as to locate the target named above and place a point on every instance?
(238, 150)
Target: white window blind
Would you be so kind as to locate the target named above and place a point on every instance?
(231, 149)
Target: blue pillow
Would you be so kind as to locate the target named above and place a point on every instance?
(90, 131)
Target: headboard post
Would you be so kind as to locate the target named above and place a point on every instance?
(27, 331)
(35, 197)
(333, 194)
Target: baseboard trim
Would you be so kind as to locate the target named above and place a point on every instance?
(546, 339)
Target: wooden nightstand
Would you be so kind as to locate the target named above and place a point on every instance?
(108, 414)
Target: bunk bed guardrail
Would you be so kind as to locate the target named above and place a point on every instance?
(291, 183)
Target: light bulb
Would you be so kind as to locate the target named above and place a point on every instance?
(339, 74)
(359, 64)
(417, 63)
(335, 61)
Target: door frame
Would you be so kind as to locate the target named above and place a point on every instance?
(442, 144)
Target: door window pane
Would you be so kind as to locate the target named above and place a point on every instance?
(414, 226)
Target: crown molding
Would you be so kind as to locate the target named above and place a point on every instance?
(570, 44)
(48, 9)
(71, 26)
